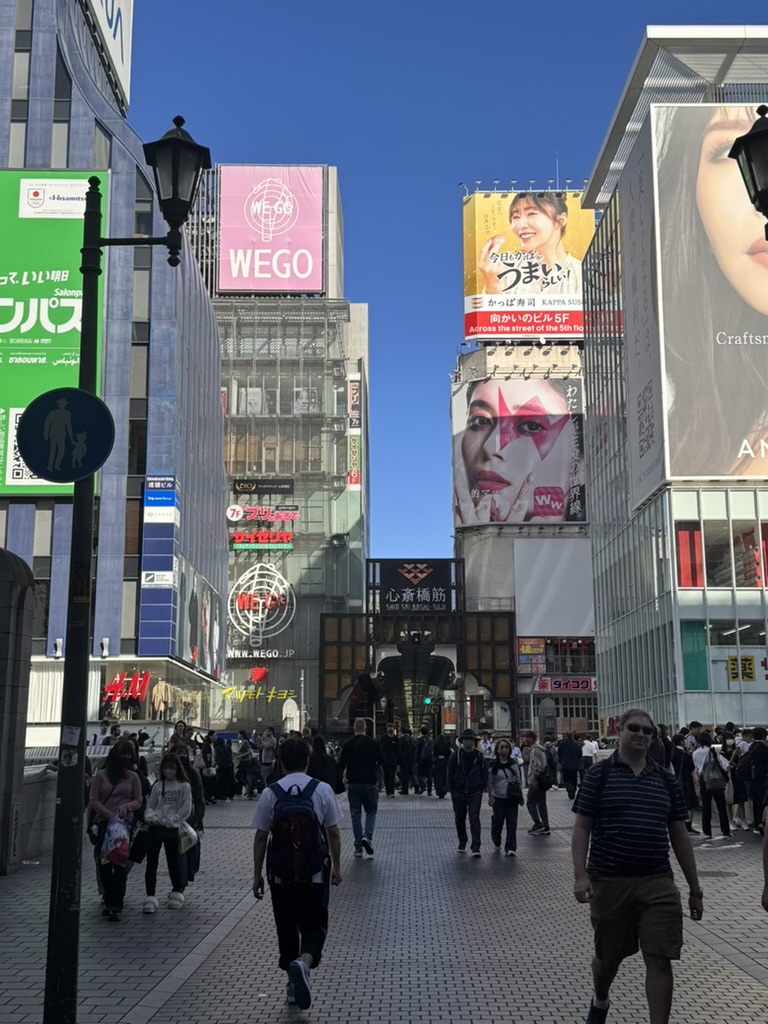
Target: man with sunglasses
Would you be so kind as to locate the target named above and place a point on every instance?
(629, 811)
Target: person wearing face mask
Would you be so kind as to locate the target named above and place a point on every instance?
(115, 793)
(169, 803)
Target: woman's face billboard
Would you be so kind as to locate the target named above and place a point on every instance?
(518, 452)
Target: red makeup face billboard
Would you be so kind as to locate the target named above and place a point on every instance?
(271, 229)
(518, 452)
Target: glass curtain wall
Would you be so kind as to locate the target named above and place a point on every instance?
(631, 555)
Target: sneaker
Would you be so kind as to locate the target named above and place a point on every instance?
(510, 853)
(745, 826)
(367, 846)
(290, 995)
(597, 1015)
(298, 974)
(114, 915)
(758, 831)
(475, 853)
(176, 900)
(535, 828)
(497, 846)
(357, 853)
(150, 905)
(736, 823)
(543, 832)
(462, 847)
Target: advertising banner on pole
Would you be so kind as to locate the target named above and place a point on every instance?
(41, 294)
(518, 451)
(713, 297)
(522, 265)
(271, 229)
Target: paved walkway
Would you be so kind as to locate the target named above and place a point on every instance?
(418, 933)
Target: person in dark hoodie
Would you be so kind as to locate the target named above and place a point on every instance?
(467, 781)
(390, 751)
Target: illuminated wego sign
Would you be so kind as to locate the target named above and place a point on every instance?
(262, 604)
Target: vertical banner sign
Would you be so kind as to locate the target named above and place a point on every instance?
(354, 410)
(271, 229)
(41, 295)
(522, 265)
(354, 431)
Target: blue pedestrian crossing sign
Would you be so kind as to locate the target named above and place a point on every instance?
(65, 435)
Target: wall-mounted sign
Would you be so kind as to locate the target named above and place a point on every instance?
(260, 485)
(354, 403)
(414, 586)
(565, 684)
(741, 669)
(122, 686)
(531, 656)
(161, 500)
(262, 604)
(262, 513)
(258, 693)
(161, 580)
(258, 540)
(353, 462)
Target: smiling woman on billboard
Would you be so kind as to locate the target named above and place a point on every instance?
(714, 282)
(542, 263)
(519, 456)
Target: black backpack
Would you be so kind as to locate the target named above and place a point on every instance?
(297, 846)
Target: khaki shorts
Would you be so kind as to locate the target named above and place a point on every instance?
(631, 913)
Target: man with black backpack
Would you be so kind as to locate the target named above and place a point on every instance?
(300, 818)
(629, 811)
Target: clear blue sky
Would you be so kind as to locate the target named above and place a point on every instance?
(407, 98)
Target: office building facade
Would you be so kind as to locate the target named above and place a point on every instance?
(160, 543)
(675, 388)
(294, 393)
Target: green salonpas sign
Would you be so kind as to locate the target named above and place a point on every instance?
(41, 294)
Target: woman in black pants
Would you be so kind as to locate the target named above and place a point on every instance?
(115, 793)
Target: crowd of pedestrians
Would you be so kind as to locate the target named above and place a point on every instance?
(632, 804)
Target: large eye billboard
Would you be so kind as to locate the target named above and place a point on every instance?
(522, 265)
(518, 451)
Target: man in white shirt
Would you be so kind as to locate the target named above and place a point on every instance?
(300, 905)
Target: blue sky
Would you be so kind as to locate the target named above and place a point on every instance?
(407, 99)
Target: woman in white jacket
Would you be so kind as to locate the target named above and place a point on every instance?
(169, 803)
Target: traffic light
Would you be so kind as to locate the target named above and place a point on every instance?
(427, 700)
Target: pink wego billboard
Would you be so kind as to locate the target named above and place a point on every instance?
(271, 229)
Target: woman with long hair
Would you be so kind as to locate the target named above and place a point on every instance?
(115, 793)
(714, 274)
(541, 263)
(168, 805)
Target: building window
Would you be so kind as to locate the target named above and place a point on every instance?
(143, 208)
(62, 102)
(746, 554)
(102, 148)
(139, 361)
(17, 143)
(690, 563)
(717, 554)
(137, 448)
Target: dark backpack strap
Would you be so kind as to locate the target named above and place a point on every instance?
(310, 787)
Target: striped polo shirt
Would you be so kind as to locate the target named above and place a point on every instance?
(630, 818)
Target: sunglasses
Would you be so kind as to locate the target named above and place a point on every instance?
(646, 730)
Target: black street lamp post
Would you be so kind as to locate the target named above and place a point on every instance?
(177, 162)
(750, 151)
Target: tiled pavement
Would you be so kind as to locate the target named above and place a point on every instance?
(418, 933)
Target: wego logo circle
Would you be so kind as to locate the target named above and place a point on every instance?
(271, 208)
(262, 604)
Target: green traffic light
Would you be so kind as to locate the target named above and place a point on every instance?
(427, 700)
